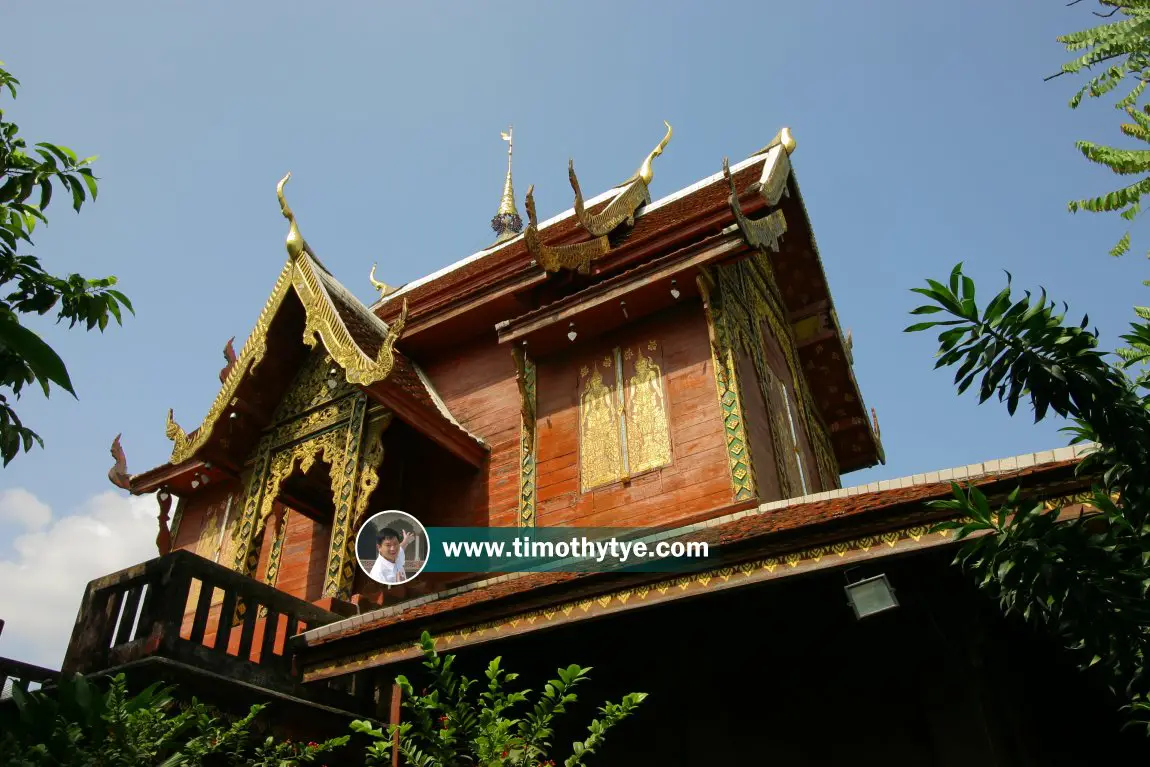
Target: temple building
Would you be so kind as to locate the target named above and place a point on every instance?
(674, 364)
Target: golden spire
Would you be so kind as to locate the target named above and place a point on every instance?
(507, 222)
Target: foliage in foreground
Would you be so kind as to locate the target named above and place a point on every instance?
(1084, 579)
(456, 722)
(1120, 47)
(83, 724)
(26, 288)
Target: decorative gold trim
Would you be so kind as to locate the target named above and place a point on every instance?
(247, 557)
(719, 578)
(272, 573)
(324, 325)
(727, 388)
(370, 464)
(527, 380)
(576, 257)
(341, 552)
(255, 347)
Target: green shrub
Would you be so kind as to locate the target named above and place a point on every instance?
(455, 722)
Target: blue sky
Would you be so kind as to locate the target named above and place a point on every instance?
(926, 136)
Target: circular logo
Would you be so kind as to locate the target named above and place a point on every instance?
(392, 547)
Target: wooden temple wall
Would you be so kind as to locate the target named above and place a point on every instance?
(477, 383)
(696, 477)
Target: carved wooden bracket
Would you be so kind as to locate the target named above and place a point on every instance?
(164, 537)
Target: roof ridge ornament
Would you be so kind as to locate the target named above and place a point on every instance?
(507, 222)
(384, 289)
(783, 138)
(576, 257)
(118, 474)
(296, 244)
(634, 194)
(230, 359)
(763, 233)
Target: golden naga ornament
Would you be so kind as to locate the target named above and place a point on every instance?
(576, 257)
(760, 233)
(633, 194)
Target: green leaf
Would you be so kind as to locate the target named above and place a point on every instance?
(39, 356)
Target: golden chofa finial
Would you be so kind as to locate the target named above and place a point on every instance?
(507, 222)
(633, 194)
(384, 289)
(646, 171)
(295, 242)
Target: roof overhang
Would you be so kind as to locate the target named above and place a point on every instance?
(774, 541)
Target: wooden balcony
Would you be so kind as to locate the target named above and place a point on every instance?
(23, 676)
(183, 619)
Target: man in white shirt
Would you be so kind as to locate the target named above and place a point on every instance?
(388, 568)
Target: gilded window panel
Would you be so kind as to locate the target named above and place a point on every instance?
(648, 433)
(600, 425)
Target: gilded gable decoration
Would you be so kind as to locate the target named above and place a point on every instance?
(633, 194)
(318, 291)
(623, 426)
(575, 257)
(324, 322)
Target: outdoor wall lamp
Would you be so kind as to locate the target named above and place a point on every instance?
(871, 596)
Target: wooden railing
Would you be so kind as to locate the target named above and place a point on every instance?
(16, 674)
(188, 609)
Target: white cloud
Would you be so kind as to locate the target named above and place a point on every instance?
(43, 580)
(19, 506)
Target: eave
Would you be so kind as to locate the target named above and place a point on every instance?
(776, 540)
